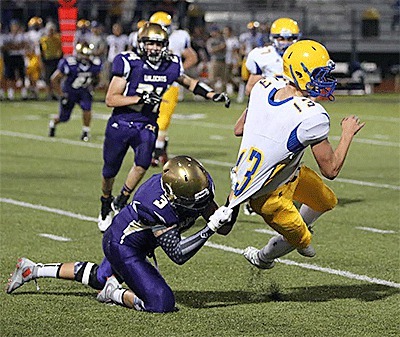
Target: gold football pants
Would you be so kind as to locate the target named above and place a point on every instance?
(167, 107)
(281, 214)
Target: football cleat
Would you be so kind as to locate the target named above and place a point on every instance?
(247, 210)
(307, 252)
(111, 285)
(119, 203)
(52, 129)
(85, 136)
(24, 272)
(251, 255)
(105, 216)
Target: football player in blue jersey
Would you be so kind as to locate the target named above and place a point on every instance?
(135, 92)
(81, 73)
(163, 207)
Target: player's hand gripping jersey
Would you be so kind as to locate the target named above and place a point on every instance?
(275, 136)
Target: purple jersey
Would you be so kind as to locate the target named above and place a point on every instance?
(79, 75)
(151, 209)
(143, 76)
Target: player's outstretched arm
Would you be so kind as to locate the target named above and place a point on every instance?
(202, 89)
(331, 161)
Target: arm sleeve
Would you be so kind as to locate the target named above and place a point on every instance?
(179, 250)
(314, 129)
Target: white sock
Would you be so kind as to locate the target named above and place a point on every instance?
(309, 215)
(48, 270)
(117, 296)
(10, 93)
(51, 124)
(275, 248)
(86, 128)
(160, 144)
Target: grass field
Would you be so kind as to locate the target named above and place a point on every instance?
(52, 187)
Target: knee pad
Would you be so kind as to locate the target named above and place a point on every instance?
(86, 273)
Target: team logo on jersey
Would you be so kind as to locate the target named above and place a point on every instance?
(155, 78)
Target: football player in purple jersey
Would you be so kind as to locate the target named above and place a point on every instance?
(135, 92)
(80, 73)
(162, 208)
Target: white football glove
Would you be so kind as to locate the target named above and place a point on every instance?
(220, 217)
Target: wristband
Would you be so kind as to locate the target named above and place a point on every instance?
(202, 89)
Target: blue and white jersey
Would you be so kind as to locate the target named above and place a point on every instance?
(265, 61)
(143, 76)
(275, 136)
(79, 75)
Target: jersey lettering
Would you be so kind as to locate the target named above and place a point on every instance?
(254, 160)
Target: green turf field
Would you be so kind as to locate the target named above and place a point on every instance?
(52, 187)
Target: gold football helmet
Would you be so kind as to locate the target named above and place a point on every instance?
(84, 50)
(283, 33)
(162, 18)
(152, 33)
(307, 64)
(83, 24)
(186, 183)
(35, 22)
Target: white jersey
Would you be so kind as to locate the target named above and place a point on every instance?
(132, 39)
(275, 136)
(33, 36)
(265, 61)
(116, 45)
(179, 40)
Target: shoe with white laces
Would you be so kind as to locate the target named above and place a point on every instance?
(111, 285)
(251, 255)
(307, 252)
(25, 271)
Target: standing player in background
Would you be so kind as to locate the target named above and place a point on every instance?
(117, 43)
(132, 38)
(34, 66)
(139, 80)
(81, 73)
(51, 49)
(163, 208)
(248, 40)
(83, 33)
(281, 121)
(267, 61)
(179, 44)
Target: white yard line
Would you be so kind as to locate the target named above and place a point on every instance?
(337, 272)
(54, 237)
(376, 230)
(205, 161)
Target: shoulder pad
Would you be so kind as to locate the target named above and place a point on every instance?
(71, 60)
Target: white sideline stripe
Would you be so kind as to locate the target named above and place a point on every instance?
(205, 161)
(225, 248)
(266, 231)
(48, 209)
(55, 237)
(370, 141)
(375, 230)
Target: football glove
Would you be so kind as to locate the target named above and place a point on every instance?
(220, 217)
(222, 97)
(150, 98)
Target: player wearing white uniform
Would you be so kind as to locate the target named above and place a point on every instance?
(132, 38)
(179, 44)
(281, 121)
(267, 60)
